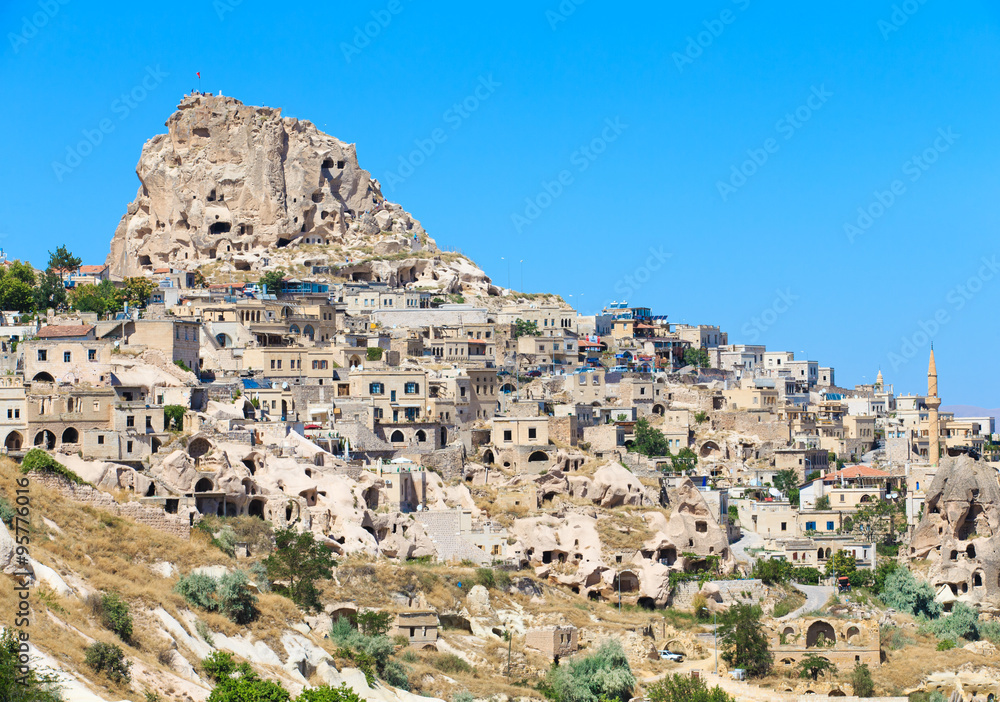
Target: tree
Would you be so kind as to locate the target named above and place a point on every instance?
(681, 688)
(16, 295)
(61, 261)
(812, 666)
(786, 480)
(50, 292)
(603, 676)
(903, 592)
(137, 291)
(883, 570)
(697, 358)
(842, 563)
(861, 681)
(877, 521)
(525, 328)
(325, 693)
(19, 684)
(742, 641)
(173, 416)
(299, 561)
(272, 280)
(110, 659)
(823, 503)
(373, 623)
(101, 298)
(772, 571)
(686, 459)
(649, 441)
(244, 685)
(236, 600)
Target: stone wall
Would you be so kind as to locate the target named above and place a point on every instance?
(563, 430)
(732, 591)
(154, 517)
(764, 425)
(449, 461)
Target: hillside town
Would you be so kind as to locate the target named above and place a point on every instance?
(307, 356)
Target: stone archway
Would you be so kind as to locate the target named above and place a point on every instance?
(14, 441)
(538, 457)
(43, 377)
(204, 485)
(820, 629)
(45, 439)
(70, 436)
(709, 448)
(199, 447)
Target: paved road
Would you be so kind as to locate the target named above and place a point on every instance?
(816, 597)
(751, 540)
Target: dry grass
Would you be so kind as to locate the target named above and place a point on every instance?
(905, 667)
(620, 530)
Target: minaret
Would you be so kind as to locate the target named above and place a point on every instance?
(878, 380)
(933, 402)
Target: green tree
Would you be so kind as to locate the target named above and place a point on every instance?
(16, 295)
(236, 599)
(742, 641)
(374, 353)
(697, 358)
(325, 693)
(649, 441)
(603, 676)
(299, 561)
(173, 417)
(786, 480)
(883, 570)
(109, 659)
(136, 291)
(772, 571)
(50, 292)
(963, 622)
(61, 261)
(374, 623)
(823, 503)
(19, 684)
(812, 666)
(115, 616)
(273, 280)
(842, 563)
(861, 681)
(682, 688)
(903, 592)
(244, 685)
(525, 328)
(879, 521)
(101, 298)
(686, 459)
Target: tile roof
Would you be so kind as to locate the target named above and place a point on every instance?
(59, 331)
(93, 269)
(850, 472)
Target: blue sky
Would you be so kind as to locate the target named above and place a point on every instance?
(704, 160)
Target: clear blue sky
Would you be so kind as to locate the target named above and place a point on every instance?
(871, 91)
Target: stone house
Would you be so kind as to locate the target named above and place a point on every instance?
(419, 627)
(60, 415)
(553, 642)
(13, 413)
(68, 354)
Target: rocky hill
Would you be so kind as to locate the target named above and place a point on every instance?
(233, 188)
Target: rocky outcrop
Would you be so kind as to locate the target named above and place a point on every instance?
(246, 187)
(960, 531)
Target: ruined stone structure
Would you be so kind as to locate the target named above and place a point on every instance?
(843, 642)
(553, 642)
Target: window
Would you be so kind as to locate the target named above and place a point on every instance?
(97, 405)
(376, 389)
(91, 354)
(149, 422)
(100, 439)
(272, 364)
(128, 447)
(43, 355)
(810, 526)
(412, 388)
(507, 436)
(784, 526)
(10, 413)
(829, 526)
(279, 364)
(67, 357)
(532, 433)
(841, 497)
(378, 413)
(130, 421)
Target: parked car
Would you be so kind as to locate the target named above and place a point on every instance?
(534, 374)
(668, 656)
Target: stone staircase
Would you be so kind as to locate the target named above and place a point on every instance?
(444, 529)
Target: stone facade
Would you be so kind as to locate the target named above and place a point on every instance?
(553, 642)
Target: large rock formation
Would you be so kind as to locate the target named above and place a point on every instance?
(245, 186)
(960, 531)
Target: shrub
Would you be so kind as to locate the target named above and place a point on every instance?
(963, 622)
(247, 687)
(492, 579)
(603, 676)
(203, 631)
(37, 460)
(945, 645)
(699, 605)
(374, 353)
(7, 512)
(110, 660)
(902, 591)
(115, 616)
(236, 600)
(325, 693)
(374, 623)
(198, 590)
(182, 365)
(861, 681)
(463, 696)
(450, 663)
(16, 685)
(681, 688)
(219, 665)
(395, 674)
(259, 575)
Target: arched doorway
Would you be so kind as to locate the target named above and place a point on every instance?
(709, 448)
(71, 436)
(256, 508)
(537, 457)
(45, 439)
(43, 377)
(444, 436)
(820, 629)
(203, 485)
(659, 410)
(13, 441)
(421, 436)
(397, 437)
(154, 445)
(199, 447)
(488, 457)
(224, 341)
